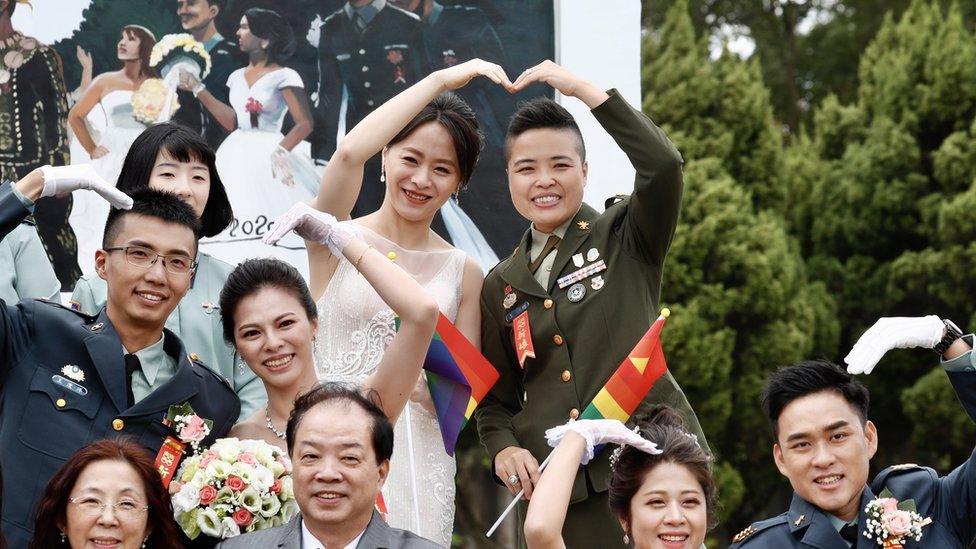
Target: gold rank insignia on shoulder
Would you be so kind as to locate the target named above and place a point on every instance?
(583, 225)
(744, 534)
(904, 466)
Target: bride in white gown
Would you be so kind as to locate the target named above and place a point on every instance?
(112, 92)
(430, 145)
(265, 172)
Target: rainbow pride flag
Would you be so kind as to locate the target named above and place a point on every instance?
(627, 387)
(458, 377)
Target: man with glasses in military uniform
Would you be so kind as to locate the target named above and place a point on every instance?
(116, 373)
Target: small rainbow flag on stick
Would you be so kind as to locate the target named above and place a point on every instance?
(458, 377)
(635, 376)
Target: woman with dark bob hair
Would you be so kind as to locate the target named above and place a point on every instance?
(266, 171)
(661, 486)
(172, 158)
(107, 492)
(429, 144)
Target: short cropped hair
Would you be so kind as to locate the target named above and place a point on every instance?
(323, 393)
(152, 203)
(542, 113)
(253, 275)
(183, 145)
(810, 377)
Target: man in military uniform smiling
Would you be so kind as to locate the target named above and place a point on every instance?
(824, 443)
(578, 293)
(108, 375)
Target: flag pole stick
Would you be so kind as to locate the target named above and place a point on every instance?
(516, 500)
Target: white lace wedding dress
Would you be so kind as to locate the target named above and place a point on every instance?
(355, 327)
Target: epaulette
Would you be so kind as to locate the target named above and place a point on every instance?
(195, 360)
(881, 480)
(614, 199)
(749, 531)
(77, 311)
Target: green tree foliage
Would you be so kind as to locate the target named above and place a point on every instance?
(881, 198)
(735, 278)
(101, 28)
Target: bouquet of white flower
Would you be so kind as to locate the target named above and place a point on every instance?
(235, 486)
(173, 54)
(149, 99)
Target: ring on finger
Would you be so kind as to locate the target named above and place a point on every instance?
(513, 479)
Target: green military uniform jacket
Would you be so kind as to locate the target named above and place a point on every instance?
(196, 320)
(579, 345)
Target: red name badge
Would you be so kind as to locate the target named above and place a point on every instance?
(168, 459)
(523, 338)
(381, 507)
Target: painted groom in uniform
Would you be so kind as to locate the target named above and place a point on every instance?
(340, 443)
(374, 51)
(198, 17)
(824, 443)
(68, 378)
(581, 330)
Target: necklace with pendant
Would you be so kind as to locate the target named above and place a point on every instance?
(271, 427)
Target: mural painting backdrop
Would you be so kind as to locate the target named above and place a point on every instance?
(342, 64)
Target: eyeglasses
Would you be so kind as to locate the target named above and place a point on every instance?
(146, 258)
(125, 509)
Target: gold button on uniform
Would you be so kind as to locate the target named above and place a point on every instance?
(60, 403)
(566, 376)
(118, 424)
(194, 357)
(557, 339)
(574, 413)
(391, 256)
(547, 304)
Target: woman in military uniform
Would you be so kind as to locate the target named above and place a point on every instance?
(172, 158)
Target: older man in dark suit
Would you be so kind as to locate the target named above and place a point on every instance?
(68, 378)
(340, 442)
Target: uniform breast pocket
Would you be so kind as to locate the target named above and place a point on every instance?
(57, 421)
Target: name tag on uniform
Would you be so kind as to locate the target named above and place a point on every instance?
(523, 337)
(69, 385)
(517, 311)
(168, 459)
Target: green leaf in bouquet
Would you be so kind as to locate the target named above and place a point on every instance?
(179, 410)
(886, 493)
(908, 505)
(188, 523)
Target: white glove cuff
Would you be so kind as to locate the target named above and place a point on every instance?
(556, 434)
(340, 236)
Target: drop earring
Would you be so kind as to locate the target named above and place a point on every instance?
(64, 538)
(626, 539)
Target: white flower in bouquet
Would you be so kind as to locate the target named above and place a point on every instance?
(232, 488)
(229, 528)
(174, 49)
(209, 522)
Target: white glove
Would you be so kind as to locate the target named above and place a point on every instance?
(311, 224)
(281, 167)
(62, 180)
(899, 332)
(600, 431)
